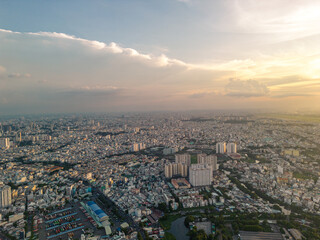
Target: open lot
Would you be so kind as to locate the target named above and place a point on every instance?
(69, 222)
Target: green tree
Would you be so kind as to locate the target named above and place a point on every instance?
(188, 220)
(140, 236)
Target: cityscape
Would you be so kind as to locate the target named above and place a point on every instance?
(135, 175)
(160, 120)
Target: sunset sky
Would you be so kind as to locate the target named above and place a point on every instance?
(150, 55)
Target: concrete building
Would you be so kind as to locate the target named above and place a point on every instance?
(5, 196)
(182, 170)
(231, 148)
(168, 151)
(136, 147)
(174, 169)
(221, 147)
(211, 160)
(183, 158)
(200, 175)
(4, 142)
(168, 170)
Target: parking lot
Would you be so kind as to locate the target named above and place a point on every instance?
(69, 222)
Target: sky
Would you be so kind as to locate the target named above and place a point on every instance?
(159, 55)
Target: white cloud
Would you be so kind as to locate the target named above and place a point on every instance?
(84, 73)
(113, 47)
(285, 18)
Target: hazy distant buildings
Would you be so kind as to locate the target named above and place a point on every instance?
(4, 142)
(168, 151)
(221, 147)
(136, 147)
(5, 196)
(200, 174)
(231, 148)
(280, 169)
(291, 152)
(18, 137)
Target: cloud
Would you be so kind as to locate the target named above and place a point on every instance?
(91, 91)
(286, 95)
(19, 75)
(43, 81)
(281, 17)
(246, 88)
(2, 71)
(202, 94)
(160, 61)
(81, 74)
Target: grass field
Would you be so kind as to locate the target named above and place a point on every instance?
(193, 159)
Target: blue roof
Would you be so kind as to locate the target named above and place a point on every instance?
(96, 209)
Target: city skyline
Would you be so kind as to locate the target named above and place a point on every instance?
(106, 56)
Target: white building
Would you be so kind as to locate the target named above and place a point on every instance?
(231, 148)
(221, 147)
(200, 175)
(5, 196)
(280, 169)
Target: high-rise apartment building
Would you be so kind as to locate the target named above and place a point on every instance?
(201, 157)
(231, 147)
(4, 142)
(136, 147)
(5, 196)
(168, 170)
(183, 158)
(200, 175)
(173, 169)
(183, 170)
(221, 147)
(211, 160)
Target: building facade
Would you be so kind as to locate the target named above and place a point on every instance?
(200, 175)
(5, 196)
(221, 147)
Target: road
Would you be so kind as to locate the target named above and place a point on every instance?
(96, 193)
(124, 215)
